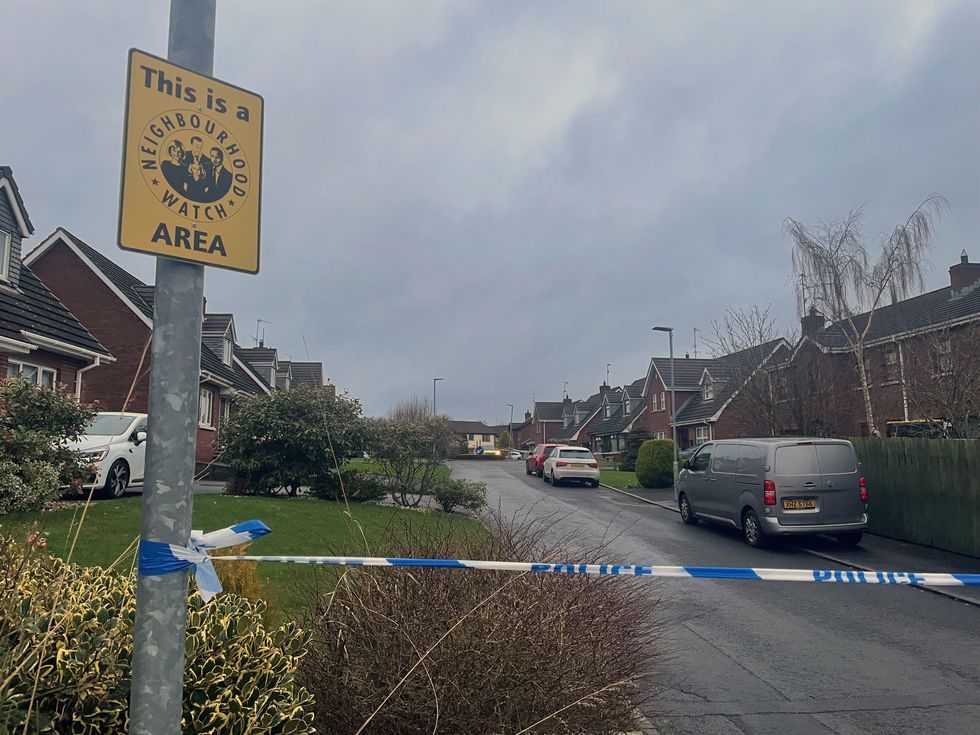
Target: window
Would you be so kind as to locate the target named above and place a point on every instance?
(45, 377)
(800, 459)
(701, 460)
(836, 459)
(701, 434)
(653, 402)
(889, 363)
(626, 406)
(575, 454)
(751, 460)
(660, 435)
(205, 403)
(708, 390)
(608, 412)
(4, 254)
(663, 401)
(224, 409)
(226, 351)
(726, 458)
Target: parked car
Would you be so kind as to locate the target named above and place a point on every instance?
(571, 463)
(776, 487)
(534, 464)
(514, 454)
(115, 444)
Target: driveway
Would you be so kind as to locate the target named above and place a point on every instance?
(760, 657)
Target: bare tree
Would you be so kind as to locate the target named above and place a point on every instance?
(414, 410)
(942, 378)
(833, 265)
(740, 329)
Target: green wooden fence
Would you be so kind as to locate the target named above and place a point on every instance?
(924, 490)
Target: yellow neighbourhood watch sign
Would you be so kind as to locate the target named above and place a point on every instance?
(192, 166)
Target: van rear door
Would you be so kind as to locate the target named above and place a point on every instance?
(840, 492)
(797, 478)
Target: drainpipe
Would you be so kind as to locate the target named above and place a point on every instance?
(78, 377)
(901, 374)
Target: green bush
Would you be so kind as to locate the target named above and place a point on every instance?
(634, 440)
(451, 494)
(360, 487)
(35, 425)
(76, 624)
(655, 463)
(288, 439)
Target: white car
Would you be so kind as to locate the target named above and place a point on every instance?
(115, 443)
(571, 463)
(514, 454)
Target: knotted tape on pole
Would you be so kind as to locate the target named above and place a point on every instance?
(158, 558)
(161, 558)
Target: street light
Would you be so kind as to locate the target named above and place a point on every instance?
(673, 405)
(434, 395)
(510, 426)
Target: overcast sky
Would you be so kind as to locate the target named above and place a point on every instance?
(510, 194)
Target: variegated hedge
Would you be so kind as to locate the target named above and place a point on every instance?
(78, 623)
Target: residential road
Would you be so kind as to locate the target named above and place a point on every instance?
(768, 657)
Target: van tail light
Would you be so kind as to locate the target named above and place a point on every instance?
(769, 492)
(863, 484)
(559, 463)
(593, 465)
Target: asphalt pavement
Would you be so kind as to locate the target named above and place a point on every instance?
(766, 657)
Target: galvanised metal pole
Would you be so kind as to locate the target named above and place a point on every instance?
(175, 367)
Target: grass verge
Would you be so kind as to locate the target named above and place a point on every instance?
(299, 527)
(622, 480)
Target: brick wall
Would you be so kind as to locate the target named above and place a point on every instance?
(109, 320)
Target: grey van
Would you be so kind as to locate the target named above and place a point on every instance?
(776, 487)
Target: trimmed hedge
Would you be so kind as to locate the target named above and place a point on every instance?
(654, 463)
(76, 624)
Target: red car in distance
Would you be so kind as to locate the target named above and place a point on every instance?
(534, 464)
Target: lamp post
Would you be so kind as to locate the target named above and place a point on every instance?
(673, 404)
(434, 380)
(510, 426)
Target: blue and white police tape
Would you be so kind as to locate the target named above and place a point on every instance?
(158, 558)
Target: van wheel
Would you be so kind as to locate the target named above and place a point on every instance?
(687, 515)
(752, 530)
(117, 480)
(849, 540)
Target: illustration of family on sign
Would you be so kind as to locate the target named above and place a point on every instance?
(191, 173)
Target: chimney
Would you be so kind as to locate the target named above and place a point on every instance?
(527, 415)
(964, 274)
(603, 389)
(812, 323)
(261, 343)
(567, 402)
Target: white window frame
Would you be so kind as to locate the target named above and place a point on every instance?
(663, 400)
(224, 409)
(6, 245)
(660, 435)
(205, 397)
(226, 351)
(702, 434)
(38, 375)
(708, 390)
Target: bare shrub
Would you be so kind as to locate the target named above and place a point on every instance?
(500, 651)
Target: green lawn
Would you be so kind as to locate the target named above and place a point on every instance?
(299, 526)
(621, 480)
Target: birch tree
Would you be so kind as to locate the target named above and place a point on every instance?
(841, 279)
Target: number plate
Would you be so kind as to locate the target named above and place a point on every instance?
(799, 504)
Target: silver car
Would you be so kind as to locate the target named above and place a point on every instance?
(776, 487)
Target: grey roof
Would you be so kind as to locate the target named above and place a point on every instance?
(8, 173)
(32, 307)
(473, 427)
(258, 355)
(245, 376)
(549, 410)
(216, 323)
(618, 421)
(308, 373)
(920, 313)
(728, 373)
(635, 389)
(687, 371)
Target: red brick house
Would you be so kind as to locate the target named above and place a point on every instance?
(41, 340)
(117, 308)
(912, 348)
(579, 418)
(622, 411)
